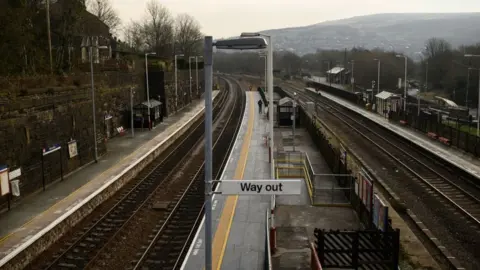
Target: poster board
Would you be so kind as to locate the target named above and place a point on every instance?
(380, 213)
(4, 181)
(367, 189)
(72, 149)
(382, 217)
(376, 210)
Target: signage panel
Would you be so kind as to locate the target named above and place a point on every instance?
(261, 187)
(50, 150)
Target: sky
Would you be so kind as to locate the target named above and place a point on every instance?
(226, 18)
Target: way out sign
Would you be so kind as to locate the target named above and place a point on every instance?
(261, 187)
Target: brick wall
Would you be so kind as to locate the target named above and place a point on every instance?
(34, 118)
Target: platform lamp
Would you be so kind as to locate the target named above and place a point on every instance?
(478, 106)
(262, 55)
(148, 89)
(196, 69)
(270, 92)
(190, 72)
(378, 75)
(405, 88)
(93, 96)
(328, 72)
(252, 43)
(176, 85)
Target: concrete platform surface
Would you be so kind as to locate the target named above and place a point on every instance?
(327, 189)
(460, 159)
(295, 227)
(34, 216)
(244, 238)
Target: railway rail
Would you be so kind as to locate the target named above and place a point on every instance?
(89, 244)
(168, 245)
(446, 203)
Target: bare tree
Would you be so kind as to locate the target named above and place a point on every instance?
(158, 29)
(187, 35)
(104, 11)
(134, 37)
(436, 46)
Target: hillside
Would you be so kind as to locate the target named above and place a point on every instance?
(404, 32)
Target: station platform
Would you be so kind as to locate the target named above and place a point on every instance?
(460, 159)
(238, 222)
(41, 214)
(296, 217)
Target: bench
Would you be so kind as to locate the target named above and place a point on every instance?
(403, 122)
(432, 135)
(444, 141)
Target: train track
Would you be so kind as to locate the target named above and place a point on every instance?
(79, 247)
(168, 245)
(452, 203)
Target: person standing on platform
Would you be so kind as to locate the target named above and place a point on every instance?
(260, 105)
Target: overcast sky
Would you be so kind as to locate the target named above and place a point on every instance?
(225, 18)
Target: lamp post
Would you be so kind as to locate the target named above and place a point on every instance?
(266, 70)
(132, 92)
(176, 87)
(148, 89)
(294, 118)
(478, 105)
(426, 76)
(190, 73)
(93, 98)
(405, 88)
(352, 79)
(270, 92)
(468, 86)
(196, 68)
(378, 75)
(47, 9)
(236, 44)
(328, 72)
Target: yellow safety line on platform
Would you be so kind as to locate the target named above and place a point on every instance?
(226, 219)
(4, 238)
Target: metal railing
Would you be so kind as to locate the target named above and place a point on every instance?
(323, 189)
(268, 252)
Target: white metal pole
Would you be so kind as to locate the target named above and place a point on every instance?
(294, 118)
(405, 89)
(208, 69)
(418, 106)
(426, 77)
(266, 72)
(93, 103)
(468, 86)
(196, 69)
(148, 92)
(378, 77)
(329, 79)
(352, 79)
(478, 106)
(190, 72)
(47, 8)
(270, 105)
(131, 110)
(176, 91)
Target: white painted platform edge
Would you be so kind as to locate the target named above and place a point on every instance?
(451, 157)
(52, 225)
(202, 223)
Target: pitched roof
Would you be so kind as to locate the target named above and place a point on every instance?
(385, 95)
(335, 70)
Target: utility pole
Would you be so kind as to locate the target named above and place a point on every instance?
(47, 8)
